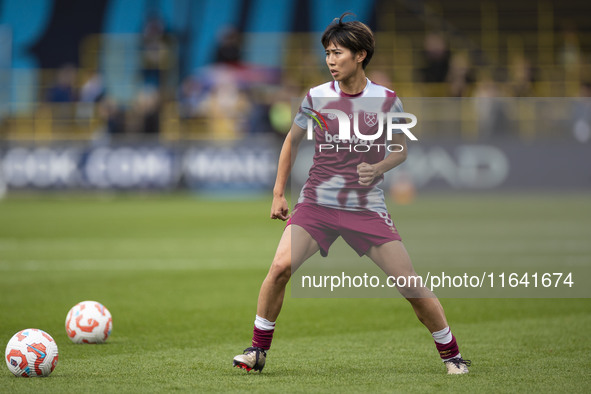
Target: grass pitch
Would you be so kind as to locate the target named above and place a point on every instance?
(181, 277)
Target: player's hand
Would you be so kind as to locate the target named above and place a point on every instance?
(279, 208)
(367, 174)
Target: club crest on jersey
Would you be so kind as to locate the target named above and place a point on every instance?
(370, 118)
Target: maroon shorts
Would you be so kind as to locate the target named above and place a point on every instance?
(360, 229)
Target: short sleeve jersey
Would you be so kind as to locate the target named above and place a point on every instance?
(333, 178)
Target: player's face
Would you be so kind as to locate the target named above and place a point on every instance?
(341, 62)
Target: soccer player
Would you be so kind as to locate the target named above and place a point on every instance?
(341, 197)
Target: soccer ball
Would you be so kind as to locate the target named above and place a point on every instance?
(89, 322)
(31, 352)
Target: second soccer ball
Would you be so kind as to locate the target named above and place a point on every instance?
(89, 322)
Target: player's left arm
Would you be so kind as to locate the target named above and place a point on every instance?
(369, 172)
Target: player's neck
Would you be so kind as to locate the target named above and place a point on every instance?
(355, 84)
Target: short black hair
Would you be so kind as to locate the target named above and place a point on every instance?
(353, 35)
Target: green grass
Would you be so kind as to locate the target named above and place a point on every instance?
(181, 276)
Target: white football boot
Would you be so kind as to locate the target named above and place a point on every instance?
(457, 366)
(252, 358)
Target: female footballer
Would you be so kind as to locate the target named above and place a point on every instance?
(341, 196)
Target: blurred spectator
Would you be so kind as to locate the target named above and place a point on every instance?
(570, 51)
(261, 98)
(64, 88)
(91, 93)
(156, 52)
(191, 95)
(436, 56)
(93, 90)
(62, 95)
(280, 111)
(460, 75)
(144, 116)
(522, 77)
(229, 50)
(115, 117)
(490, 107)
(225, 105)
(112, 118)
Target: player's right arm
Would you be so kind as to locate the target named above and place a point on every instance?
(279, 207)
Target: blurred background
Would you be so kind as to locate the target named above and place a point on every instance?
(161, 95)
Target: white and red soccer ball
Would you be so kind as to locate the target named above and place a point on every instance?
(89, 322)
(31, 352)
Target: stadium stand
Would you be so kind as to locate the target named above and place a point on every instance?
(446, 48)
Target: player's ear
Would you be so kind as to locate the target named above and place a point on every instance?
(360, 56)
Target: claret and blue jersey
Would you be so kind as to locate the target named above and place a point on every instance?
(333, 177)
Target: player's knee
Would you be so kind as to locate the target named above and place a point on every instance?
(281, 269)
